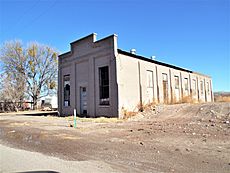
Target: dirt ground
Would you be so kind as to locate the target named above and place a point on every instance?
(167, 138)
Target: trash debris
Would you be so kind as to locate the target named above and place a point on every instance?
(187, 149)
(140, 129)
(12, 131)
(211, 120)
(226, 122)
(172, 170)
(205, 161)
(212, 111)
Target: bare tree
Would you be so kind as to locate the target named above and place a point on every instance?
(12, 80)
(34, 69)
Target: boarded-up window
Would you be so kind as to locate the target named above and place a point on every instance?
(208, 89)
(165, 87)
(201, 87)
(165, 77)
(149, 79)
(104, 85)
(67, 90)
(186, 83)
(176, 82)
(194, 86)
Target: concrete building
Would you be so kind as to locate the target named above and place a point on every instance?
(98, 79)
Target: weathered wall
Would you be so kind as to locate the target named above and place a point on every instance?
(82, 64)
(134, 90)
(128, 83)
(133, 82)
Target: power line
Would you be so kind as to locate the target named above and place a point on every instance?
(30, 22)
(21, 17)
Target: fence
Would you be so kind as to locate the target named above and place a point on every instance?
(15, 106)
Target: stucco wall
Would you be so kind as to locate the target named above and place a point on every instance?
(134, 91)
(82, 64)
(129, 86)
(128, 83)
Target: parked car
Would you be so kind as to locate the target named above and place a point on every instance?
(49, 103)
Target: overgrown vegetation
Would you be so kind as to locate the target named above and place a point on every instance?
(27, 72)
(222, 97)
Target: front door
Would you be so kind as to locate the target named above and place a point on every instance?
(83, 101)
(149, 86)
(165, 88)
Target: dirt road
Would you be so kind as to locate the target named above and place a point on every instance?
(173, 138)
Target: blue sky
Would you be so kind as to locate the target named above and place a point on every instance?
(193, 34)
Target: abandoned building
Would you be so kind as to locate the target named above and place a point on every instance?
(98, 79)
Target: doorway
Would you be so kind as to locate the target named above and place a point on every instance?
(149, 86)
(165, 88)
(83, 101)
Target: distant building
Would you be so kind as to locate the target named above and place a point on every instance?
(98, 79)
(49, 101)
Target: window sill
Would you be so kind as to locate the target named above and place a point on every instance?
(104, 106)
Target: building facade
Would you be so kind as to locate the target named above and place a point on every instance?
(98, 79)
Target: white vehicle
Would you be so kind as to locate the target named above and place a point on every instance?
(49, 102)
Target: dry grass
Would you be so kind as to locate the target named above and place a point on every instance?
(174, 100)
(140, 107)
(222, 98)
(96, 120)
(185, 99)
(27, 112)
(129, 114)
(150, 105)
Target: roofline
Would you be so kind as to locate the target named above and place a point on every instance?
(63, 54)
(112, 35)
(83, 38)
(202, 74)
(73, 42)
(70, 52)
(130, 54)
(152, 61)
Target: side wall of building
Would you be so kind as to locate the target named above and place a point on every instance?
(82, 64)
(141, 83)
